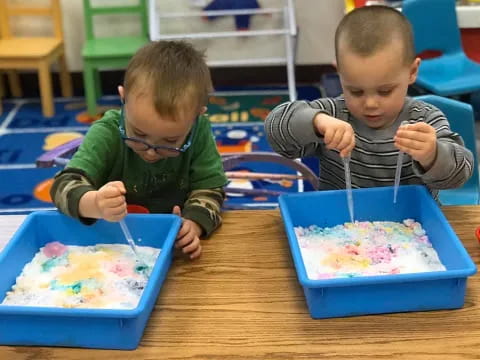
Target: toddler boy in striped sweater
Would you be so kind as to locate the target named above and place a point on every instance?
(376, 63)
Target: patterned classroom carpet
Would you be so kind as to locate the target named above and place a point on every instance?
(237, 121)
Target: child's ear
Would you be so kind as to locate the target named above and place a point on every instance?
(121, 92)
(203, 110)
(414, 70)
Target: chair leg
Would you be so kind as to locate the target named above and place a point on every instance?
(98, 85)
(2, 92)
(90, 88)
(65, 78)
(14, 83)
(45, 80)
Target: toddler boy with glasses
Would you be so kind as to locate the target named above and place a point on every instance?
(158, 151)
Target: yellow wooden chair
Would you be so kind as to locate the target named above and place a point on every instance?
(18, 53)
(13, 82)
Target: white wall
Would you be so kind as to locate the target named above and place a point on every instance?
(316, 19)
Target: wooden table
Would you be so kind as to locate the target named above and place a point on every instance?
(242, 300)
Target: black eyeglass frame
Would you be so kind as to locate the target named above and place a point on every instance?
(156, 148)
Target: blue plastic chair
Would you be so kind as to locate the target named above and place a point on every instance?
(435, 27)
(460, 116)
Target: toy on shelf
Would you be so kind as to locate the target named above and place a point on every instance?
(242, 10)
(242, 22)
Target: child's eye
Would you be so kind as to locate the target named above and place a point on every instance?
(385, 92)
(356, 92)
(169, 141)
(137, 134)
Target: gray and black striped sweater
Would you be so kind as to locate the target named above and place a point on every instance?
(290, 132)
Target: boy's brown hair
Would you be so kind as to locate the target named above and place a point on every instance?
(367, 29)
(173, 72)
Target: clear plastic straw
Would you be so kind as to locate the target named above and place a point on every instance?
(128, 236)
(348, 185)
(398, 170)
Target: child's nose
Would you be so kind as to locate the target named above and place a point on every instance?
(151, 152)
(371, 102)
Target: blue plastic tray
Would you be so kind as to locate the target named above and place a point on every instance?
(91, 328)
(379, 294)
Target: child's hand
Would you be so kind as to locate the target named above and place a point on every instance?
(110, 201)
(188, 237)
(337, 134)
(419, 141)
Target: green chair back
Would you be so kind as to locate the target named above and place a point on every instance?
(91, 11)
(112, 52)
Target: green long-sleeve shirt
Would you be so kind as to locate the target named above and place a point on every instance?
(193, 180)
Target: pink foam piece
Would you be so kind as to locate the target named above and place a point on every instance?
(54, 248)
(121, 269)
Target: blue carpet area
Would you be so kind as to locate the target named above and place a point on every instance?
(17, 194)
(24, 148)
(25, 134)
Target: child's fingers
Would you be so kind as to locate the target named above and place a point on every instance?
(196, 253)
(410, 143)
(114, 202)
(118, 210)
(415, 135)
(118, 185)
(112, 206)
(184, 236)
(184, 230)
(348, 149)
(337, 139)
(184, 241)
(114, 211)
(328, 136)
(176, 210)
(420, 126)
(404, 149)
(194, 244)
(415, 154)
(116, 214)
(352, 143)
(346, 142)
(110, 192)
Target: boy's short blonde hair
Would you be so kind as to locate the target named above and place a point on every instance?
(367, 29)
(174, 73)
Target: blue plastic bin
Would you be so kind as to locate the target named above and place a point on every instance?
(90, 328)
(379, 294)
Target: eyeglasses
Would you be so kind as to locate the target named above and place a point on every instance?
(141, 145)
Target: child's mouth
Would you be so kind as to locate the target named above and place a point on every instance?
(151, 161)
(373, 118)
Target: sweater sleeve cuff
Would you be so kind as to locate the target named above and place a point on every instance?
(201, 217)
(303, 131)
(75, 196)
(441, 166)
